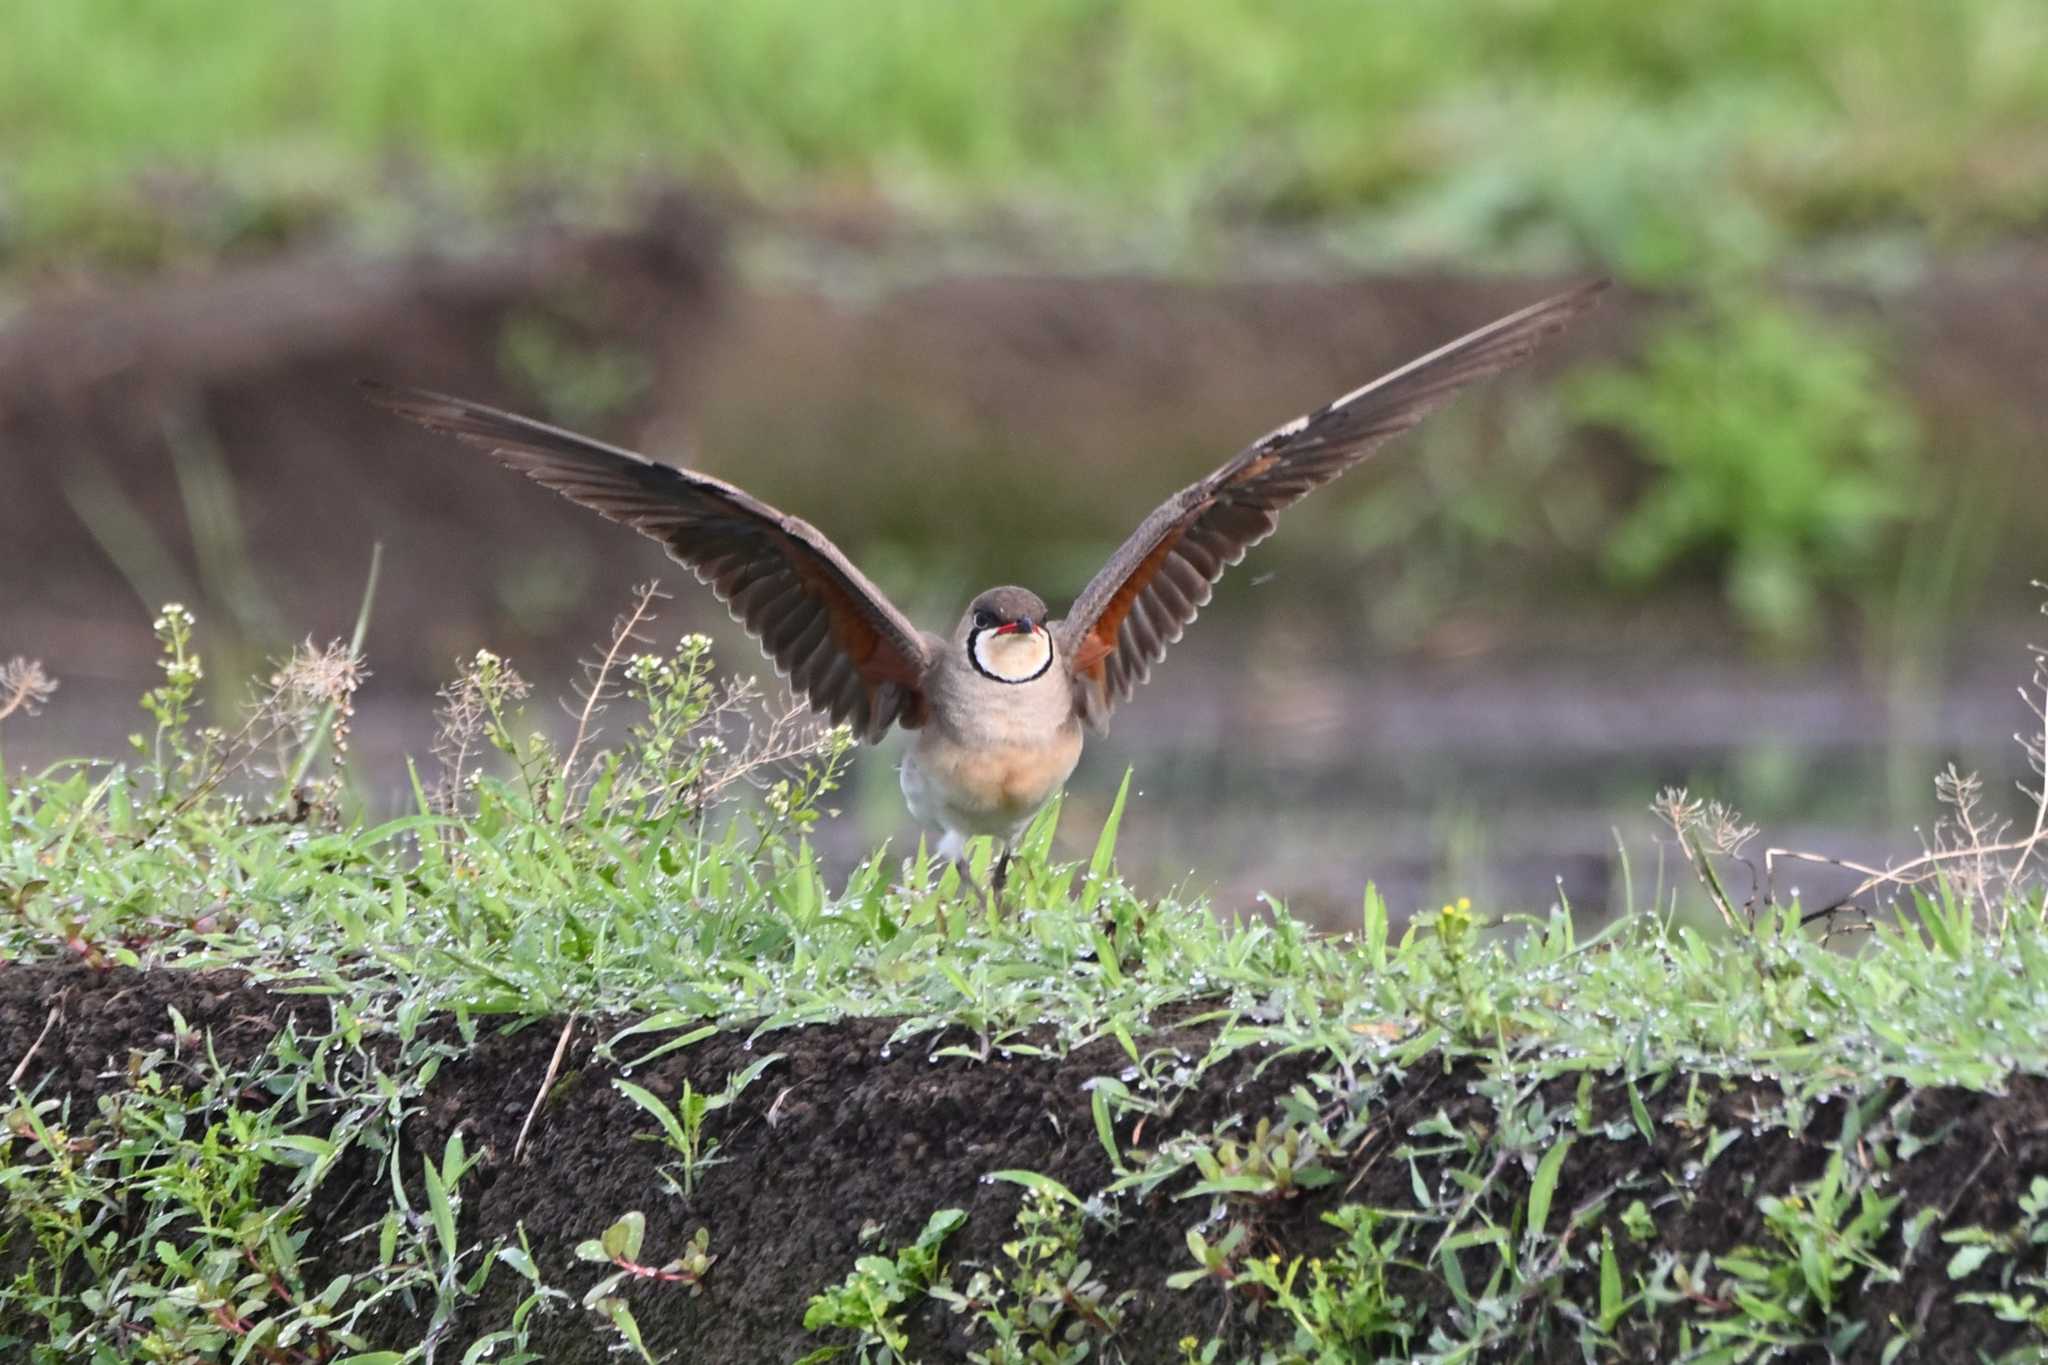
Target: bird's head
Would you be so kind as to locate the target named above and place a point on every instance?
(1004, 635)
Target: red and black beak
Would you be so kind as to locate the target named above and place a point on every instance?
(1024, 626)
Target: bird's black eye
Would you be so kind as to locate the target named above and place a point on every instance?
(984, 618)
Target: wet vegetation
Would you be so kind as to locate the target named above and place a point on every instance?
(1065, 1129)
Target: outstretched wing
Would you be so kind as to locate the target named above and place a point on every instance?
(1161, 577)
(830, 631)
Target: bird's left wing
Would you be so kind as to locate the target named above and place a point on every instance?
(831, 632)
(1162, 575)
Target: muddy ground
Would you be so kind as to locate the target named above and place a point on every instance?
(845, 1134)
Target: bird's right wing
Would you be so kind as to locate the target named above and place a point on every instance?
(1161, 576)
(831, 632)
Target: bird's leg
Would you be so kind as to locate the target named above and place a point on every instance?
(968, 879)
(1000, 877)
(953, 850)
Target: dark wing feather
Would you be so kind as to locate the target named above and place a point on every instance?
(826, 627)
(1153, 586)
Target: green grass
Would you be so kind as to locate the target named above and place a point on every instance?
(548, 884)
(1652, 140)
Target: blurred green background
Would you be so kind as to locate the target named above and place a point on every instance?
(1663, 141)
(972, 286)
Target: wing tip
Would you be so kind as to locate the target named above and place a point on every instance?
(399, 396)
(1568, 304)
(437, 412)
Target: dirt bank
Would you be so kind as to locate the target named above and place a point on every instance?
(846, 1133)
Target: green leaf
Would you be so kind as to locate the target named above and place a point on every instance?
(1610, 1285)
(1454, 1277)
(942, 1224)
(622, 1239)
(1228, 1184)
(668, 1019)
(1640, 1113)
(1967, 1259)
(1106, 958)
(1544, 1186)
(622, 1319)
(652, 1103)
(440, 1210)
(1105, 1127)
(520, 1261)
(740, 1080)
(1105, 843)
(1030, 1180)
(1373, 927)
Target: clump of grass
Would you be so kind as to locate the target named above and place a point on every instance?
(870, 1304)
(1043, 1304)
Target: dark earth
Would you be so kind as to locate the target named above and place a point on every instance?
(845, 1133)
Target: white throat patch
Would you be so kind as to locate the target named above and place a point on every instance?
(1012, 658)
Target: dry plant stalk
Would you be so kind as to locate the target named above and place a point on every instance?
(24, 686)
(597, 690)
(1705, 830)
(310, 679)
(740, 735)
(777, 735)
(464, 719)
(1973, 849)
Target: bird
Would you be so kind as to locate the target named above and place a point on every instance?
(997, 709)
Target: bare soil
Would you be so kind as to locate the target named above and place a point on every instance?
(846, 1134)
